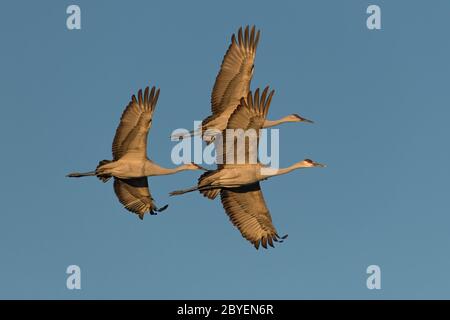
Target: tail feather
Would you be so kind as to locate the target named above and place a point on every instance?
(207, 190)
(103, 177)
(210, 193)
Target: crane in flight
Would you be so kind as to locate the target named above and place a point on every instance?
(130, 166)
(238, 184)
(233, 83)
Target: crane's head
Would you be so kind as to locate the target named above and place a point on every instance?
(308, 163)
(296, 118)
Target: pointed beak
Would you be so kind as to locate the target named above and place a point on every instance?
(320, 165)
(199, 167)
(301, 119)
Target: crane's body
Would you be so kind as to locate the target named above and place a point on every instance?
(232, 107)
(130, 166)
(231, 176)
(238, 183)
(232, 83)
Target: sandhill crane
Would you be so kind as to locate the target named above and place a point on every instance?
(232, 83)
(130, 165)
(238, 184)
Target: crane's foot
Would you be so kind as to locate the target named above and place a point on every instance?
(155, 210)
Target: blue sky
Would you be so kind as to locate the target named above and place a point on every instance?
(380, 101)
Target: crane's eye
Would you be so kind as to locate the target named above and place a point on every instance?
(308, 160)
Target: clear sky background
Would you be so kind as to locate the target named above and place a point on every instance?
(380, 100)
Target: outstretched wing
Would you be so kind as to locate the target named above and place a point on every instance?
(135, 196)
(136, 120)
(240, 144)
(236, 71)
(247, 210)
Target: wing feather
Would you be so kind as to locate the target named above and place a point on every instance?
(247, 210)
(135, 196)
(131, 134)
(249, 116)
(236, 71)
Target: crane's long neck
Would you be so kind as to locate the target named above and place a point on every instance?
(269, 172)
(152, 169)
(273, 123)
